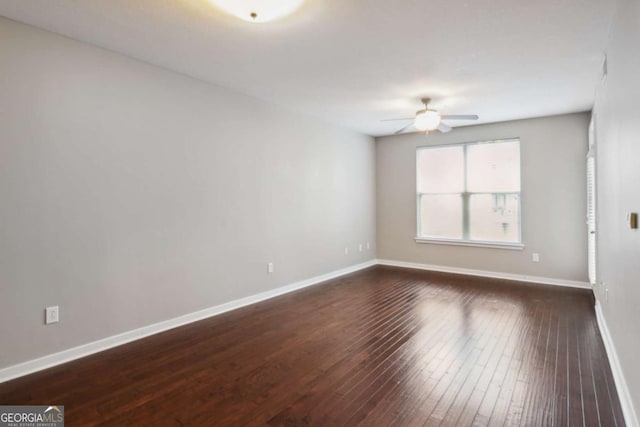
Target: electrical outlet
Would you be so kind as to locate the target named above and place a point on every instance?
(270, 267)
(346, 251)
(368, 245)
(535, 257)
(606, 294)
(360, 247)
(52, 315)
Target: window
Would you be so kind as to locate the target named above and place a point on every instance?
(470, 193)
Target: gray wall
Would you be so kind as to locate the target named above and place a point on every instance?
(553, 151)
(617, 118)
(130, 195)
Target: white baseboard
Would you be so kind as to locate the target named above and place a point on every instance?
(64, 356)
(483, 273)
(628, 410)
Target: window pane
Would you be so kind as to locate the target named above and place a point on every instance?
(493, 167)
(440, 170)
(494, 217)
(441, 216)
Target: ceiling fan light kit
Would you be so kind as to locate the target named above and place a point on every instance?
(427, 120)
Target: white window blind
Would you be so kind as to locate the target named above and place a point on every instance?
(591, 218)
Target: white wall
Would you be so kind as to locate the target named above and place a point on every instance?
(131, 195)
(553, 151)
(617, 118)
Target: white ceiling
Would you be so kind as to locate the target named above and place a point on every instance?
(354, 62)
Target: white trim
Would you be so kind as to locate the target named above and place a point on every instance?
(472, 243)
(83, 350)
(630, 417)
(484, 273)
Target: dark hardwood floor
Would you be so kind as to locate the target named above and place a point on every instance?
(381, 347)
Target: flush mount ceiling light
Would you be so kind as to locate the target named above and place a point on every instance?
(258, 10)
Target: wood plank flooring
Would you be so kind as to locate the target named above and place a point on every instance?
(381, 347)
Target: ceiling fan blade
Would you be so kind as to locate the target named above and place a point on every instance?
(403, 129)
(459, 117)
(395, 120)
(444, 128)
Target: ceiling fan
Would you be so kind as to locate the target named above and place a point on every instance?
(428, 119)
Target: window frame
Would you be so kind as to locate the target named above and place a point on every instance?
(466, 197)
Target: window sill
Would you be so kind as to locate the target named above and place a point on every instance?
(477, 244)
